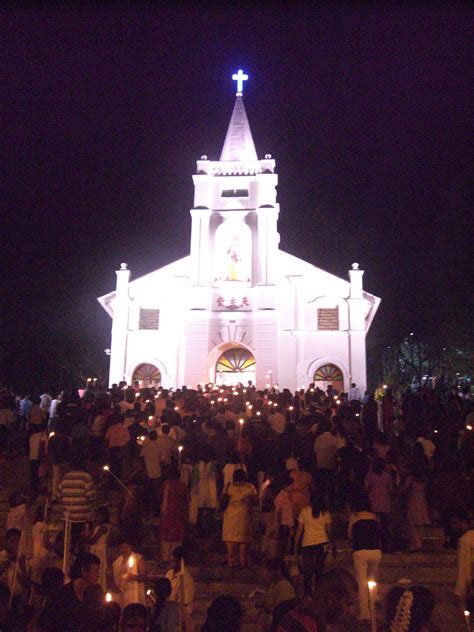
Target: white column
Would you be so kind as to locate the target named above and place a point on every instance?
(357, 305)
(118, 347)
(267, 244)
(200, 255)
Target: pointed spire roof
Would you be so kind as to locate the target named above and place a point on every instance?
(238, 144)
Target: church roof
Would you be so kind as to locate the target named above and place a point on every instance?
(238, 144)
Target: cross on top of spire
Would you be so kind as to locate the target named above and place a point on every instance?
(240, 77)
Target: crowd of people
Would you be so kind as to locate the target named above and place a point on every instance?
(279, 478)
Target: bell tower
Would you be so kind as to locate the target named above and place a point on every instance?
(234, 234)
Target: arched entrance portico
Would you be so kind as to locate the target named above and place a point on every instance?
(146, 375)
(232, 364)
(329, 375)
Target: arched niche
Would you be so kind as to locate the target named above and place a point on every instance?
(233, 252)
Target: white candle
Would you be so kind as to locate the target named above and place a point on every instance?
(467, 617)
(241, 422)
(372, 585)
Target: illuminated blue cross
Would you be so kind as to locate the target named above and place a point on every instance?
(240, 78)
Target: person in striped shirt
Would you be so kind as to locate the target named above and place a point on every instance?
(77, 493)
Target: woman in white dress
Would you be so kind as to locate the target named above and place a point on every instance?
(203, 495)
(129, 572)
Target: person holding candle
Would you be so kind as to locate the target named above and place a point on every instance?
(174, 509)
(363, 533)
(237, 519)
(182, 585)
(129, 573)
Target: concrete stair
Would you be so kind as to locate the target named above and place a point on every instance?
(434, 568)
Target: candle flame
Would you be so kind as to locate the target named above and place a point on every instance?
(108, 597)
(371, 585)
(131, 561)
(106, 468)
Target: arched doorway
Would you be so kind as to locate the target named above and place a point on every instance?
(235, 365)
(329, 374)
(146, 375)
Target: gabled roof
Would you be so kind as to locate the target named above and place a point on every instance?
(161, 278)
(289, 266)
(324, 282)
(238, 144)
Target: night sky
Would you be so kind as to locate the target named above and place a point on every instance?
(367, 112)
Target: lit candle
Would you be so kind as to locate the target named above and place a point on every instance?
(372, 585)
(176, 408)
(467, 618)
(51, 434)
(241, 422)
(108, 597)
(180, 449)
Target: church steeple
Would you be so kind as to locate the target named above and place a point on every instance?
(238, 144)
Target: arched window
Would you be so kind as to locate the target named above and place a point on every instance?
(147, 375)
(236, 360)
(329, 374)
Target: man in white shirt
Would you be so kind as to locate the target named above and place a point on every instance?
(428, 446)
(354, 393)
(325, 447)
(167, 448)
(45, 402)
(182, 584)
(53, 409)
(151, 456)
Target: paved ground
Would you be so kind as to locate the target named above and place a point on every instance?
(434, 568)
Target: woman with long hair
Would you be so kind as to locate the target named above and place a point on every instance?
(364, 535)
(379, 486)
(312, 537)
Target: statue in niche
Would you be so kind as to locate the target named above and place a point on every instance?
(235, 270)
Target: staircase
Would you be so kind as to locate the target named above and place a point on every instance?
(434, 568)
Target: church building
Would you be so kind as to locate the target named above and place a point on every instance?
(239, 308)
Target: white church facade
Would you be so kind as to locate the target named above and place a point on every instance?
(238, 308)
